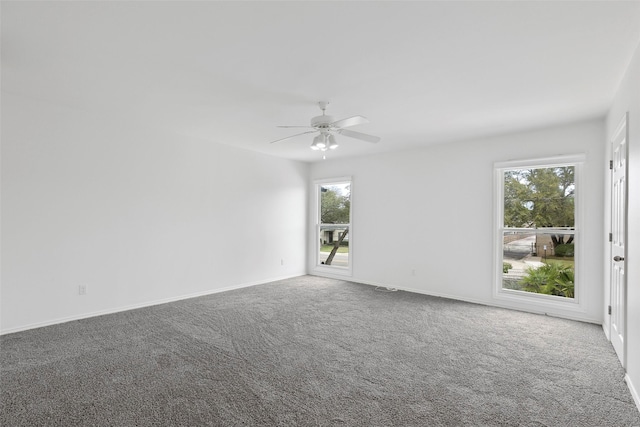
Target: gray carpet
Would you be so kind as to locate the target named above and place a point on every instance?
(314, 351)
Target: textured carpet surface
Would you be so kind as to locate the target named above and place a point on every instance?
(314, 351)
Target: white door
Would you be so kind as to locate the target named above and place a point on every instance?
(618, 238)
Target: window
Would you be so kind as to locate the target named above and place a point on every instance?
(538, 236)
(333, 225)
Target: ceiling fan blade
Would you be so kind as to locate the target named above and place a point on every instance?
(305, 127)
(293, 136)
(350, 121)
(359, 135)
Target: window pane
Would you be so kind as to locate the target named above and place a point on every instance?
(334, 245)
(539, 197)
(334, 223)
(539, 261)
(538, 238)
(335, 203)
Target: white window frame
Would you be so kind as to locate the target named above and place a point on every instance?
(530, 300)
(331, 270)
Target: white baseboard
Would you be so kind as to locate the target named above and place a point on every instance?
(490, 303)
(606, 328)
(400, 288)
(633, 390)
(142, 305)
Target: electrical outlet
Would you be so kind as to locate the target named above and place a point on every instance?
(413, 272)
(82, 289)
(281, 261)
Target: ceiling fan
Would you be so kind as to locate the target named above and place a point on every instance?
(327, 127)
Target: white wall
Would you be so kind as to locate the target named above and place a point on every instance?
(136, 215)
(434, 207)
(628, 100)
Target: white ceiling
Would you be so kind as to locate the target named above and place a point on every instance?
(230, 72)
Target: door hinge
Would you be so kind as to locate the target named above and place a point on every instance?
(611, 164)
(611, 237)
(609, 310)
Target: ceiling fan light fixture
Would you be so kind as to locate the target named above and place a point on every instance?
(318, 143)
(332, 142)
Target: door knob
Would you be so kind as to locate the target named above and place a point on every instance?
(618, 258)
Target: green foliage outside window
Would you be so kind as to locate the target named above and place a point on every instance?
(566, 250)
(506, 266)
(539, 198)
(334, 205)
(550, 279)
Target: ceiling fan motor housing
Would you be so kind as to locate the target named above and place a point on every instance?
(322, 122)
